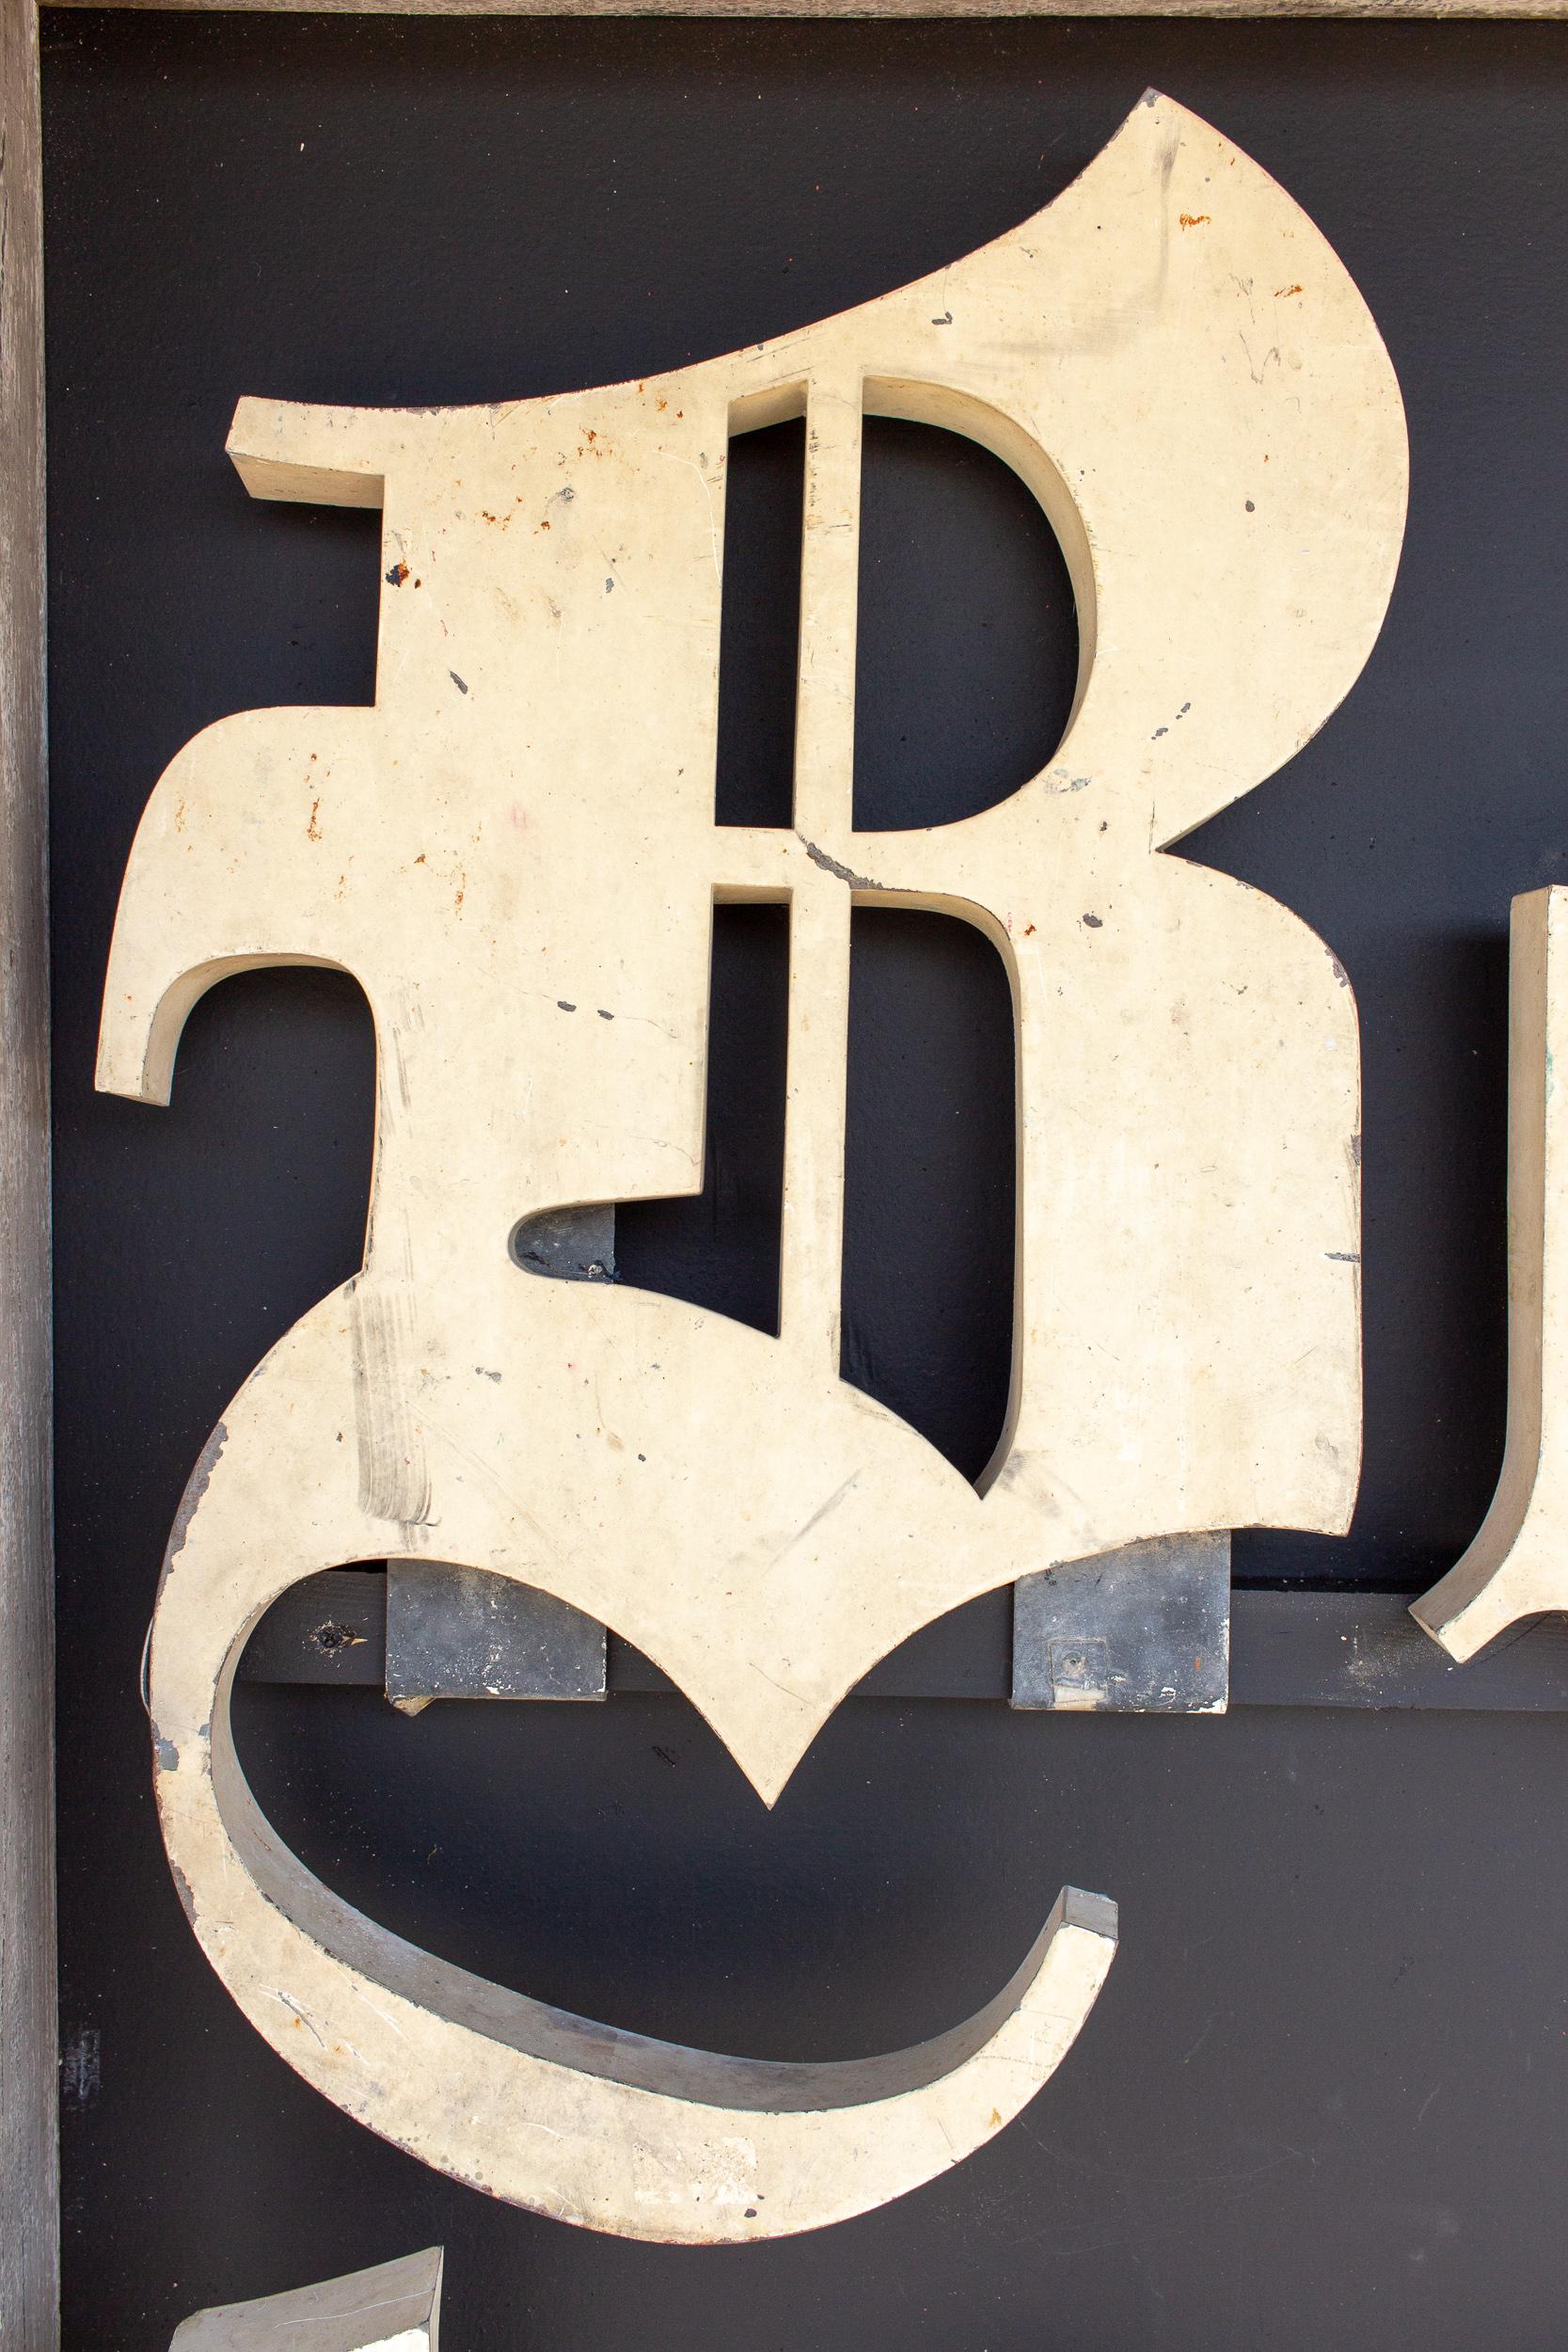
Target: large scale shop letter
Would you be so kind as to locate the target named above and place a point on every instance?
(514, 851)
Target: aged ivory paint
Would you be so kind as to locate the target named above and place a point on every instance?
(514, 852)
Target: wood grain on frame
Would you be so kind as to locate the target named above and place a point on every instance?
(882, 9)
(29, 2166)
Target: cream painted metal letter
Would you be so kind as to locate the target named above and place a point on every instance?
(514, 853)
(1518, 1564)
(394, 2307)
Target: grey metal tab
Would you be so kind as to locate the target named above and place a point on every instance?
(1142, 1630)
(1292, 1648)
(461, 1633)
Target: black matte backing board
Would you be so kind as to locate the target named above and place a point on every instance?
(1324, 2096)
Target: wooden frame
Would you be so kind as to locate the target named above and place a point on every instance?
(884, 9)
(29, 2260)
(30, 2167)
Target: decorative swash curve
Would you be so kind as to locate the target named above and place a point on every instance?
(615, 2130)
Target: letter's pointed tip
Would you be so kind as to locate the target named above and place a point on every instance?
(1095, 1913)
(768, 1781)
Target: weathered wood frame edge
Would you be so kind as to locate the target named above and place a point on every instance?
(883, 10)
(29, 2170)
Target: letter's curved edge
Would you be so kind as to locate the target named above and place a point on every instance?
(665, 2126)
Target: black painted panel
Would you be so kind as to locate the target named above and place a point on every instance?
(760, 638)
(1323, 2097)
(928, 1177)
(967, 649)
(720, 1248)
